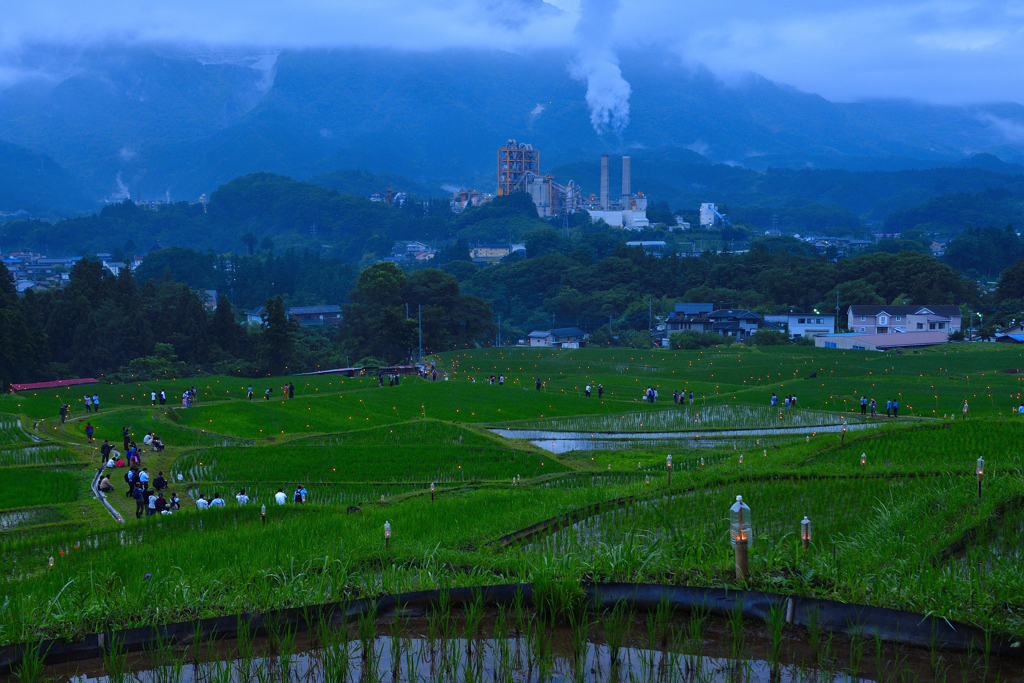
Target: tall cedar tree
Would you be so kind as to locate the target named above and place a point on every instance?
(278, 337)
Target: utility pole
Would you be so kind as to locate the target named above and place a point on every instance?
(650, 314)
(609, 324)
(419, 316)
(499, 329)
(837, 309)
(407, 311)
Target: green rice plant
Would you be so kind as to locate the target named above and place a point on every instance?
(30, 668)
(775, 621)
(616, 625)
(11, 431)
(26, 486)
(115, 661)
(39, 454)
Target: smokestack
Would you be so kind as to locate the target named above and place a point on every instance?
(604, 182)
(625, 182)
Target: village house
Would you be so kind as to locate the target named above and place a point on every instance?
(882, 319)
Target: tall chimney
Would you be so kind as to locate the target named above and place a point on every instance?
(604, 182)
(625, 182)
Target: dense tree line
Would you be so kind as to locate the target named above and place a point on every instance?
(586, 279)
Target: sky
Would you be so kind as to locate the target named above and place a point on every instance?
(945, 51)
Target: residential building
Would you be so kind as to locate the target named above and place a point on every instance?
(739, 323)
(305, 316)
(804, 324)
(880, 342)
(863, 319)
(690, 317)
(209, 297)
(728, 322)
(490, 251)
(562, 337)
(315, 315)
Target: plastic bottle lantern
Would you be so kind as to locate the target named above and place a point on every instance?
(668, 467)
(805, 531)
(741, 536)
(702, 462)
(648, 479)
(739, 523)
(387, 535)
(863, 460)
(609, 467)
(51, 561)
(263, 513)
(980, 469)
(741, 459)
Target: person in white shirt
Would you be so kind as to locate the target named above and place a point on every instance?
(242, 498)
(217, 501)
(201, 503)
(144, 476)
(280, 497)
(110, 462)
(152, 398)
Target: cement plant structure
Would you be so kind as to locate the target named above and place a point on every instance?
(519, 171)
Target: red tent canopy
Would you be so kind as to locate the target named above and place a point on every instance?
(54, 385)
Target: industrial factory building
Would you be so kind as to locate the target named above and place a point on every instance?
(519, 171)
(628, 211)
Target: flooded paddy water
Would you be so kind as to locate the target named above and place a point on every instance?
(717, 427)
(519, 646)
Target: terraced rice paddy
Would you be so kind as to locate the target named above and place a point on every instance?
(903, 529)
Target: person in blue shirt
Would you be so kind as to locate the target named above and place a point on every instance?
(217, 501)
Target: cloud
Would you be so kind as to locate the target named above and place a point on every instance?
(1010, 130)
(956, 51)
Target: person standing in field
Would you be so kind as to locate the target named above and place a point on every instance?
(64, 412)
(874, 412)
(88, 403)
(775, 400)
(152, 398)
(888, 408)
(88, 431)
(163, 397)
(691, 398)
(863, 406)
(280, 497)
(95, 403)
(250, 392)
(587, 390)
(538, 384)
(895, 408)
(242, 498)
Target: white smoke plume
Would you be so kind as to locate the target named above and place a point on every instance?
(596, 63)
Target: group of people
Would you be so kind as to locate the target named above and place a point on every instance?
(788, 401)
(160, 396)
(92, 404)
(600, 390)
(148, 501)
(680, 397)
(892, 407)
(650, 394)
(189, 398)
(287, 389)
